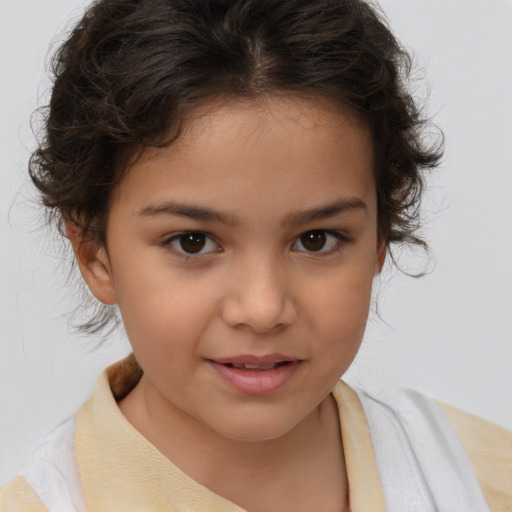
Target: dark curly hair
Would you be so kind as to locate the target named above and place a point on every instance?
(131, 70)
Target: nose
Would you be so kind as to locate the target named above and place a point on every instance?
(259, 298)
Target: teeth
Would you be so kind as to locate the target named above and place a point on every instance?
(254, 366)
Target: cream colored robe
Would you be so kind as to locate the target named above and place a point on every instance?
(404, 453)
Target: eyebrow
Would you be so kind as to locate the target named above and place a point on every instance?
(325, 211)
(202, 213)
(191, 211)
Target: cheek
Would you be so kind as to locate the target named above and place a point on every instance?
(340, 315)
(163, 312)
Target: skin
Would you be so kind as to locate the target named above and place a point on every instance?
(255, 288)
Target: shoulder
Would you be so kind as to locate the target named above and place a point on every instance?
(17, 495)
(51, 481)
(489, 448)
(460, 457)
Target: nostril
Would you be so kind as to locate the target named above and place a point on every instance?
(258, 303)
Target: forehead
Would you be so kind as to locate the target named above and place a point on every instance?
(271, 120)
(307, 111)
(293, 152)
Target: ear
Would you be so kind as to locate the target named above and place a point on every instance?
(94, 264)
(381, 256)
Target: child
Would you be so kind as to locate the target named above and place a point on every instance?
(232, 174)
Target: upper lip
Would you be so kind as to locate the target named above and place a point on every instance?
(255, 360)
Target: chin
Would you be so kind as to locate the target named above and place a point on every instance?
(252, 428)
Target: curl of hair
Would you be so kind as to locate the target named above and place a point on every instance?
(131, 69)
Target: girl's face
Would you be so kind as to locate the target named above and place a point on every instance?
(242, 259)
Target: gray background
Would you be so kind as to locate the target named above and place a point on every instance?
(448, 334)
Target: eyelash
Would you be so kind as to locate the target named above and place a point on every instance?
(340, 240)
(178, 237)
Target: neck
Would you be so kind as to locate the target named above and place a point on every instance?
(266, 473)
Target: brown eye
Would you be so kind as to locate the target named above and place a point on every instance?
(313, 240)
(192, 243)
(321, 241)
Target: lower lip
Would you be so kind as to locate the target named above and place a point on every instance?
(256, 382)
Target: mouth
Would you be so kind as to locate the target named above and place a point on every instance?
(256, 375)
(256, 367)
